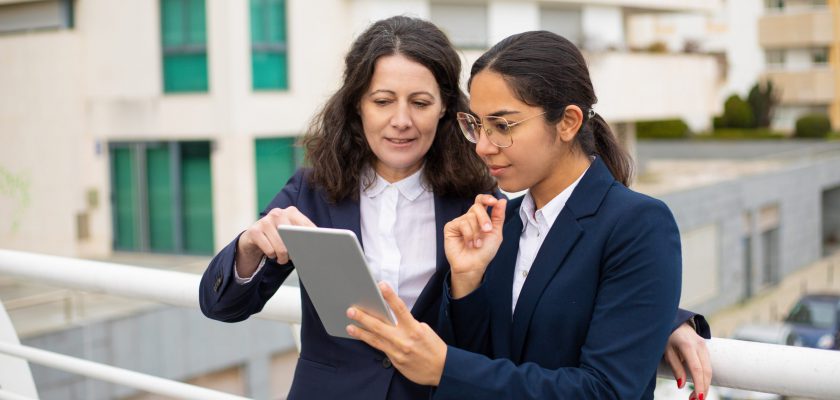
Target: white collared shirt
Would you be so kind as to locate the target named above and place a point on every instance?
(398, 233)
(535, 226)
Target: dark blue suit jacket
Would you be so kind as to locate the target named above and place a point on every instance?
(594, 314)
(328, 367)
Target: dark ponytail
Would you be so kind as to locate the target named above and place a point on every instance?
(546, 70)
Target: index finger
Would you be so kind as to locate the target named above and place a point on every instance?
(401, 311)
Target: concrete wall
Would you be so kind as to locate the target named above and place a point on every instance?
(797, 192)
(169, 342)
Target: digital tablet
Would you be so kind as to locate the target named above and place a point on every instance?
(331, 265)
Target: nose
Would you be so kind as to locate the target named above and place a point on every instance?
(484, 146)
(401, 119)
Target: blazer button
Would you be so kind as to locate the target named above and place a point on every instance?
(386, 363)
(217, 283)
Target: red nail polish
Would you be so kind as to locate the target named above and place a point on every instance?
(700, 396)
(679, 383)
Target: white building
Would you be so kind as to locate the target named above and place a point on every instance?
(165, 126)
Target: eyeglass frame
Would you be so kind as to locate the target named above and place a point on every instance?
(488, 132)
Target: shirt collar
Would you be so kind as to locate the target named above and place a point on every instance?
(551, 210)
(411, 187)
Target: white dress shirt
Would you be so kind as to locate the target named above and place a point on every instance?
(398, 234)
(535, 226)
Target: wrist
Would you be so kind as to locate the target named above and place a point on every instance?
(464, 283)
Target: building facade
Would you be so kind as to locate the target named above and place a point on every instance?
(802, 45)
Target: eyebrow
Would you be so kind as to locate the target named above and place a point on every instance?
(500, 113)
(391, 92)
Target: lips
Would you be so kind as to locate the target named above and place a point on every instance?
(497, 170)
(397, 141)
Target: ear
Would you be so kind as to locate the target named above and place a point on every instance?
(442, 112)
(569, 125)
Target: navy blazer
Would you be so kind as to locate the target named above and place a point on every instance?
(594, 315)
(328, 367)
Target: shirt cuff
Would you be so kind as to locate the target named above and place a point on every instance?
(245, 281)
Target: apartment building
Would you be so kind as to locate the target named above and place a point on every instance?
(165, 126)
(801, 47)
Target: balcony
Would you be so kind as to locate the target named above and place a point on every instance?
(810, 28)
(809, 87)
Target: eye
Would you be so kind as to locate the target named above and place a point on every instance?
(421, 104)
(381, 102)
(500, 126)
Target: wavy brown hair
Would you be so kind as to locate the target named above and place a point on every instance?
(546, 70)
(335, 143)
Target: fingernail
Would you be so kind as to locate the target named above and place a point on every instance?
(679, 383)
(700, 396)
(488, 227)
(691, 397)
(478, 243)
(351, 329)
(351, 312)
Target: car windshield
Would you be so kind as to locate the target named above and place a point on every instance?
(816, 314)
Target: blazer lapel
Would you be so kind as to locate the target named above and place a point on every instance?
(502, 269)
(445, 210)
(560, 240)
(346, 214)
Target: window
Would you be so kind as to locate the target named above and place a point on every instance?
(276, 161)
(768, 225)
(162, 197)
(36, 15)
(774, 4)
(565, 22)
(269, 55)
(819, 56)
(184, 36)
(465, 25)
(775, 58)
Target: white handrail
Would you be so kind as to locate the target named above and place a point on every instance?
(772, 368)
(170, 287)
(792, 371)
(108, 373)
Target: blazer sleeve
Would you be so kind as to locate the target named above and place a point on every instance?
(698, 321)
(634, 311)
(221, 297)
(465, 322)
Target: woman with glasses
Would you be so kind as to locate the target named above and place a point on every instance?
(568, 292)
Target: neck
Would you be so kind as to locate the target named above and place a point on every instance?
(566, 171)
(393, 175)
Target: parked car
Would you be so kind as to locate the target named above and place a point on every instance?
(816, 320)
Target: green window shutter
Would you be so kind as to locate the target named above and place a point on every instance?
(197, 197)
(184, 42)
(160, 199)
(269, 56)
(124, 180)
(276, 161)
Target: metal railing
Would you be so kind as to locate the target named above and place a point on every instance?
(790, 371)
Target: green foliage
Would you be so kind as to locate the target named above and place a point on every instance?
(812, 126)
(737, 113)
(742, 134)
(662, 129)
(763, 99)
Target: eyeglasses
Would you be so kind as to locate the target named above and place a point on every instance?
(496, 128)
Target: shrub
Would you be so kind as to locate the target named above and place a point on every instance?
(737, 113)
(662, 129)
(812, 126)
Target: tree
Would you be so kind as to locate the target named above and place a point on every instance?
(763, 99)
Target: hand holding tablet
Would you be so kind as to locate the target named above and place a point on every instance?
(335, 274)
